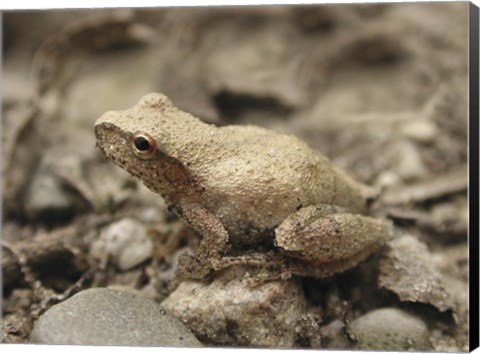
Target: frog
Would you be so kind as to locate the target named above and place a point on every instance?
(256, 197)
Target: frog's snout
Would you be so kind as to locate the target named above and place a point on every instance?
(105, 119)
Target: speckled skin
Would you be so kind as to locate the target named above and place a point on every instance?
(237, 184)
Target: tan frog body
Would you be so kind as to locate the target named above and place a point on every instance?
(256, 196)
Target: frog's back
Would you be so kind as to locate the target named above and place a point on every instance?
(262, 177)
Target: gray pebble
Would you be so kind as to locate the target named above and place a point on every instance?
(110, 317)
(390, 329)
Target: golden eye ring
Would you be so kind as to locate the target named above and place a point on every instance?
(143, 145)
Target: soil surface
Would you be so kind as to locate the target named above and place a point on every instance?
(380, 89)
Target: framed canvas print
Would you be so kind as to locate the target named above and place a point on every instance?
(299, 176)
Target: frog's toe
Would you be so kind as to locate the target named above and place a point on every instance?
(190, 268)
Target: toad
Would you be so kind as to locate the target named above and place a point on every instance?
(257, 197)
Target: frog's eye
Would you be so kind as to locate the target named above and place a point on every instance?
(143, 145)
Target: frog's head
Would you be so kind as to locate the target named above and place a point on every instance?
(146, 139)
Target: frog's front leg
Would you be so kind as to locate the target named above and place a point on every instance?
(325, 239)
(213, 245)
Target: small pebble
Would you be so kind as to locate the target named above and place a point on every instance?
(125, 242)
(409, 164)
(102, 316)
(390, 329)
(333, 335)
(421, 130)
(387, 179)
(47, 199)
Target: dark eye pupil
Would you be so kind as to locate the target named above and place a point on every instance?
(141, 143)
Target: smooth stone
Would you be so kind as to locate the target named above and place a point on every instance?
(390, 329)
(102, 316)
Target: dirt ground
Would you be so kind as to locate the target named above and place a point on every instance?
(380, 89)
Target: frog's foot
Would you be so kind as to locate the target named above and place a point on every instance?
(326, 240)
(256, 259)
(190, 268)
(214, 241)
(261, 267)
(212, 246)
(258, 278)
(272, 266)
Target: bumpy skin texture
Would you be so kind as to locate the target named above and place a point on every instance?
(237, 184)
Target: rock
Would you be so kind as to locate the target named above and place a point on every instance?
(46, 199)
(408, 269)
(231, 312)
(434, 187)
(11, 271)
(453, 261)
(126, 242)
(421, 130)
(450, 219)
(49, 196)
(408, 161)
(387, 179)
(255, 76)
(110, 317)
(390, 329)
(333, 335)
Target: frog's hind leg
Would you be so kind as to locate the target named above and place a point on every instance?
(326, 239)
